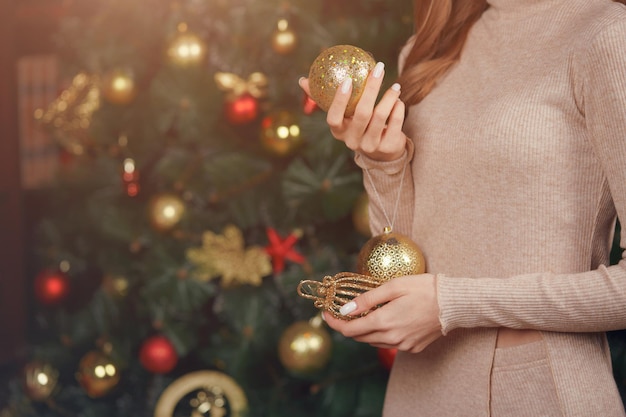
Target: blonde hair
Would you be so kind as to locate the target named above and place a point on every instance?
(441, 28)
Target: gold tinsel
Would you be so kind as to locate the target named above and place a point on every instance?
(69, 116)
(226, 256)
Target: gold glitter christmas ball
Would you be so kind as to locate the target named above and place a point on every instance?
(390, 255)
(332, 67)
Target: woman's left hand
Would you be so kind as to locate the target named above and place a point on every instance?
(408, 319)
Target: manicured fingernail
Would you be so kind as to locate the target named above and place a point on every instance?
(300, 80)
(323, 316)
(347, 308)
(395, 87)
(378, 70)
(346, 84)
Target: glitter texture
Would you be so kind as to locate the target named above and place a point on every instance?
(332, 67)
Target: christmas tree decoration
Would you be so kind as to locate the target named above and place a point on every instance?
(309, 106)
(203, 393)
(69, 116)
(334, 291)
(332, 67)
(97, 374)
(165, 211)
(51, 287)
(305, 347)
(241, 110)
(281, 249)
(172, 150)
(158, 355)
(40, 380)
(115, 285)
(242, 99)
(360, 215)
(130, 177)
(186, 48)
(118, 86)
(386, 357)
(390, 255)
(226, 256)
(284, 39)
(280, 133)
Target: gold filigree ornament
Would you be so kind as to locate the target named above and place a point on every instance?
(334, 291)
(214, 393)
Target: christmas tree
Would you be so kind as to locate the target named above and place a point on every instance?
(198, 187)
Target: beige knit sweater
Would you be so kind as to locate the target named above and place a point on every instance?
(517, 173)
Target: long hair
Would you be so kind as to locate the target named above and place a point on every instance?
(441, 28)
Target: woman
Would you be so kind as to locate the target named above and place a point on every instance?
(515, 146)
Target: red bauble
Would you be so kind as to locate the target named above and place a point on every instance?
(241, 110)
(309, 106)
(158, 355)
(387, 356)
(51, 287)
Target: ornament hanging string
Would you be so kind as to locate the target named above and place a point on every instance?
(391, 221)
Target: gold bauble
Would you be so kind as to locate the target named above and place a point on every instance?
(118, 86)
(284, 39)
(165, 211)
(115, 285)
(40, 380)
(186, 48)
(305, 347)
(360, 215)
(390, 255)
(332, 67)
(97, 374)
(280, 133)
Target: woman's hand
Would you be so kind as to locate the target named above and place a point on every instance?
(408, 320)
(375, 130)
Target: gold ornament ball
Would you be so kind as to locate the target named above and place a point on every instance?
(360, 215)
(97, 374)
(186, 48)
(332, 67)
(390, 255)
(284, 39)
(165, 211)
(280, 133)
(305, 347)
(40, 380)
(118, 86)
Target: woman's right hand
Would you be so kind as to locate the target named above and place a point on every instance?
(375, 130)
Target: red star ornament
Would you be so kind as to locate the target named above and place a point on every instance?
(281, 249)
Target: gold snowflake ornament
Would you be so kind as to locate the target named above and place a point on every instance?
(226, 256)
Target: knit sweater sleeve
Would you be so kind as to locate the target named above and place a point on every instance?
(578, 302)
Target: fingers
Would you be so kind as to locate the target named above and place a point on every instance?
(385, 117)
(303, 82)
(367, 101)
(337, 110)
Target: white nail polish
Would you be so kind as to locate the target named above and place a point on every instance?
(347, 308)
(395, 87)
(346, 84)
(378, 70)
(323, 316)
